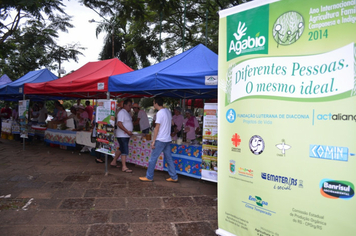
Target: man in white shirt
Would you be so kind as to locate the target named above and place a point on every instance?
(161, 143)
(142, 119)
(124, 131)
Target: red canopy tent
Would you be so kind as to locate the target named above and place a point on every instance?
(89, 81)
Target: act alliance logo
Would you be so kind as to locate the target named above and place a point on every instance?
(250, 37)
(337, 189)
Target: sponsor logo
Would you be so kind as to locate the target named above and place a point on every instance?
(245, 172)
(257, 145)
(283, 147)
(279, 179)
(256, 203)
(288, 28)
(101, 86)
(232, 167)
(211, 80)
(231, 115)
(337, 189)
(329, 152)
(336, 117)
(250, 37)
(236, 141)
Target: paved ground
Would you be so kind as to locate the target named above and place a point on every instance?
(59, 192)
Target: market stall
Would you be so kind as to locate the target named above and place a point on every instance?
(89, 81)
(191, 74)
(14, 91)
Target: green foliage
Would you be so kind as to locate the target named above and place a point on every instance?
(27, 41)
(136, 26)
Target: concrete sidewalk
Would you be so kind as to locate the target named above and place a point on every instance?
(59, 192)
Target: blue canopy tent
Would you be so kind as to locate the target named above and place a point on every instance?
(14, 91)
(5, 80)
(191, 74)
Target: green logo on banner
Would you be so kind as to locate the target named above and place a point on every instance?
(247, 36)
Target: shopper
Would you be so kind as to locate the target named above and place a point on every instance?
(142, 119)
(161, 143)
(124, 132)
(191, 125)
(89, 109)
(43, 113)
(177, 122)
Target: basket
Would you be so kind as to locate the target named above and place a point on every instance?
(4, 135)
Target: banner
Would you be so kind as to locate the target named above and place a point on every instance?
(105, 126)
(287, 118)
(210, 143)
(24, 106)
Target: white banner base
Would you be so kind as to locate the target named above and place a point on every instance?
(222, 232)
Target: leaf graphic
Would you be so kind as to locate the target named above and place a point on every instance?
(258, 34)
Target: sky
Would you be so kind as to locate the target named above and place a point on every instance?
(83, 32)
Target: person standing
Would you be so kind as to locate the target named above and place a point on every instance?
(6, 112)
(191, 125)
(177, 120)
(161, 143)
(142, 119)
(35, 112)
(82, 116)
(42, 113)
(15, 113)
(123, 132)
(89, 109)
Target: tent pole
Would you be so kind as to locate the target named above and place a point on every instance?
(23, 140)
(108, 95)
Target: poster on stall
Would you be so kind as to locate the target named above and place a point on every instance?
(105, 126)
(287, 118)
(209, 166)
(24, 106)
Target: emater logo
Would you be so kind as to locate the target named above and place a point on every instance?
(337, 189)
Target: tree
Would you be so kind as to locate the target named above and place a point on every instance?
(28, 30)
(138, 26)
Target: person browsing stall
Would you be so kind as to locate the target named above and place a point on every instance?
(142, 119)
(82, 116)
(43, 113)
(191, 125)
(6, 112)
(124, 132)
(161, 143)
(177, 122)
(89, 109)
(35, 113)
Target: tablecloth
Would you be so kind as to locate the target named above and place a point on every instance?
(84, 138)
(187, 159)
(61, 137)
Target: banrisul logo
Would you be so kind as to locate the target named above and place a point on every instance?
(247, 32)
(337, 189)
